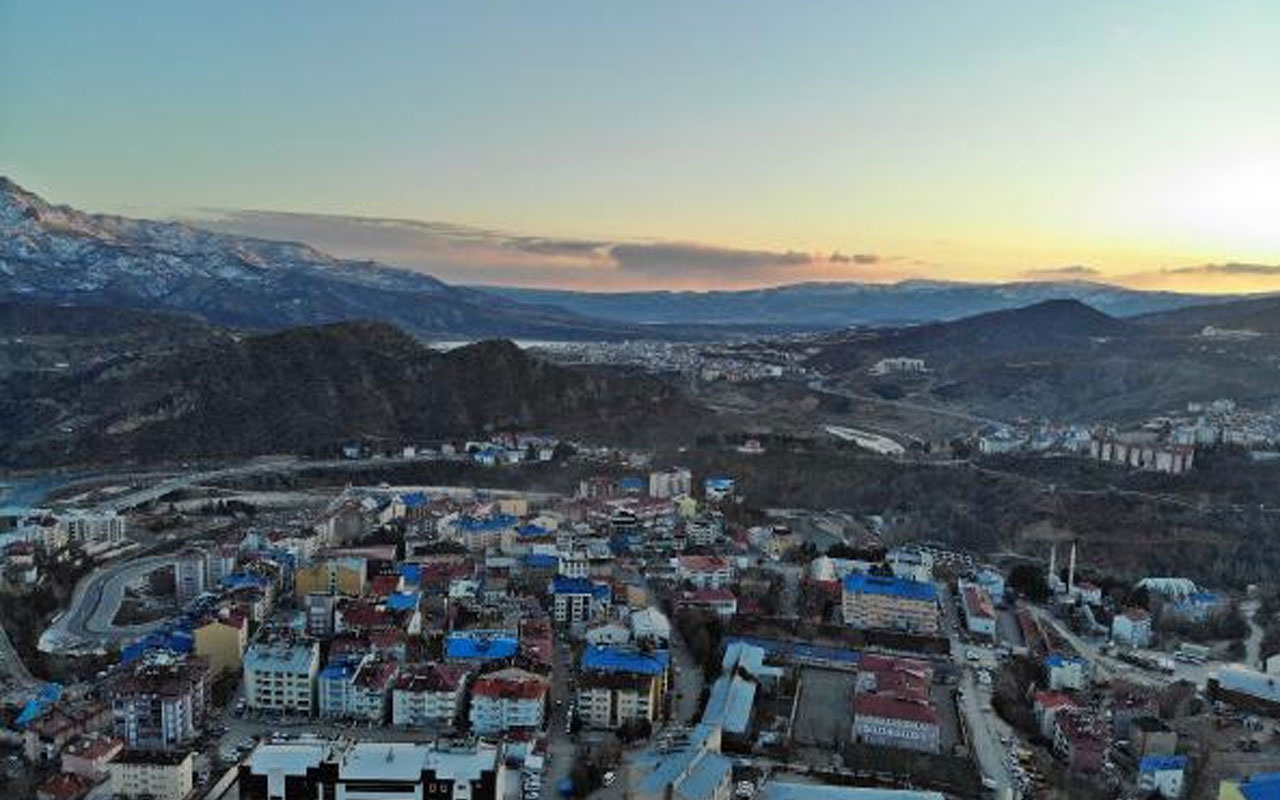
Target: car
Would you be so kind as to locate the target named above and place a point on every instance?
(609, 778)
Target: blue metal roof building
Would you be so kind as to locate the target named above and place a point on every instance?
(620, 659)
(1162, 763)
(861, 583)
(481, 646)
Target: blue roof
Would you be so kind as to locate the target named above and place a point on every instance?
(1059, 660)
(542, 561)
(719, 482)
(561, 584)
(861, 583)
(531, 529)
(340, 669)
(49, 694)
(242, 580)
(402, 601)
(1263, 786)
(486, 647)
(493, 522)
(729, 704)
(632, 483)
(412, 573)
(415, 499)
(619, 659)
(1160, 763)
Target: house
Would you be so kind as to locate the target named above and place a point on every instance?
(718, 488)
(345, 575)
(875, 601)
(1066, 672)
(428, 694)
(152, 775)
(281, 676)
(304, 771)
(1132, 628)
(722, 602)
(507, 700)
(979, 611)
(671, 483)
(705, 572)
(992, 580)
(350, 688)
(481, 646)
(1162, 775)
(64, 786)
(610, 633)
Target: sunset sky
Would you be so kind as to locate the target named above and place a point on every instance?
(603, 145)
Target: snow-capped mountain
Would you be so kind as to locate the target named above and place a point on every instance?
(56, 254)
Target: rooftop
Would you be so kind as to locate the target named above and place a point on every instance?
(861, 583)
(620, 659)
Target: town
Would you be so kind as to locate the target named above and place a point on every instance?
(650, 634)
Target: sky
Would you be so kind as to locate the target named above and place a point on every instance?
(716, 144)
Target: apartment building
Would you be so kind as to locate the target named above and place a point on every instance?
(875, 601)
(281, 676)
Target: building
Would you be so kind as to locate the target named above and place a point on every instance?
(718, 488)
(159, 705)
(86, 527)
(650, 625)
(979, 611)
(704, 530)
(222, 641)
(705, 572)
(776, 789)
(89, 755)
(1046, 706)
(889, 721)
(342, 575)
(281, 676)
(897, 364)
(689, 767)
(620, 686)
(1246, 688)
(1132, 628)
(305, 771)
(1261, 786)
(721, 602)
(993, 581)
(507, 700)
(1066, 672)
(356, 688)
(1149, 736)
(428, 695)
(1174, 459)
(1162, 775)
(1080, 739)
(671, 483)
(190, 574)
(153, 775)
(577, 600)
(874, 601)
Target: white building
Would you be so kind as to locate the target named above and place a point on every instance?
(156, 775)
(651, 625)
(705, 572)
(1162, 775)
(280, 676)
(1066, 672)
(1132, 628)
(886, 366)
(85, 526)
(671, 483)
(979, 611)
(510, 699)
(429, 694)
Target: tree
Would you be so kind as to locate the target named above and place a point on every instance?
(1030, 582)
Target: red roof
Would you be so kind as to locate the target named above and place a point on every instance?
(703, 563)
(1054, 700)
(709, 596)
(510, 684)
(65, 786)
(384, 585)
(432, 678)
(887, 706)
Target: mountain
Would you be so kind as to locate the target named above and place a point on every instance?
(55, 254)
(306, 390)
(838, 305)
(1258, 314)
(1051, 326)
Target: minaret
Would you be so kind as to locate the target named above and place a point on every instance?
(1071, 571)
(1053, 565)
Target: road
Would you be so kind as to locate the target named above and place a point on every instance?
(87, 622)
(819, 386)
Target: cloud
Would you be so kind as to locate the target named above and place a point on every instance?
(476, 255)
(1071, 272)
(1264, 270)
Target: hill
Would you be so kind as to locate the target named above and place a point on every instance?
(307, 390)
(838, 305)
(58, 255)
(1049, 326)
(1257, 314)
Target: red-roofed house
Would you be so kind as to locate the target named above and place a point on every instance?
(89, 755)
(1080, 739)
(722, 601)
(705, 572)
(888, 721)
(428, 694)
(1046, 706)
